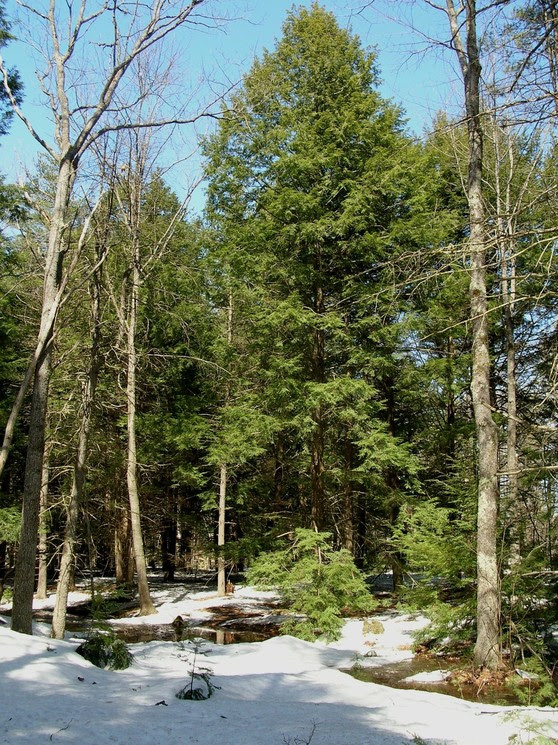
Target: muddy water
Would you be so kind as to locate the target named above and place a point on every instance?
(394, 675)
(227, 625)
(134, 634)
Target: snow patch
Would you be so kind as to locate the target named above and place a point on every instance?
(271, 692)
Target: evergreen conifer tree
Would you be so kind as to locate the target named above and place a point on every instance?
(313, 173)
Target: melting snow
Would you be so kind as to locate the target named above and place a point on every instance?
(279, 691)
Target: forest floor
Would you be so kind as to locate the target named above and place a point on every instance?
(281, 691)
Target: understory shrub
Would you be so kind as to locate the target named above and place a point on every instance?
(317, 582)
(106, 650)
(438, 545)
(10, 523)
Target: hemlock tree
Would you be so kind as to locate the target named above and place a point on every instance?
(324, 189)
(12, 76)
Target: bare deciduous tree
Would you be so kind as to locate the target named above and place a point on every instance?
(463, 25)
(79, 100)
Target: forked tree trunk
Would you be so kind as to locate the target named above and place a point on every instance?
(24, 580)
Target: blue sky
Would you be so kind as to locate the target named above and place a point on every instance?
(419, 77)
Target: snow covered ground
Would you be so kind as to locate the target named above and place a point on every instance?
(282, 691)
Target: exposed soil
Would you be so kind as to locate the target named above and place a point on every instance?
(461, 683)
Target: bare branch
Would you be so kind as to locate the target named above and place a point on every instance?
(19, 113)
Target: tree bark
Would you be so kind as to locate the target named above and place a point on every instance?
(348, 518)
(278, 473)
(42, 578)
(123, 554)
(169, 538)
(67, 562)
(506, 229)
(146, 604)
(24, 580)
(3, 547)
(221, 566)
(317, 467)
(221, 578)
(361, 518)
(487, 648)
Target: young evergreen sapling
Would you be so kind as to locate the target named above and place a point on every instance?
(318, 583)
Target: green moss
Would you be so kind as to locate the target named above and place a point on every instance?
(372, 626)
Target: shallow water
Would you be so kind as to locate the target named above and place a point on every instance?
(147, 633)
(227, 625)
(394, 675)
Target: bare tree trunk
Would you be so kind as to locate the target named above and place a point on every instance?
(221, 579)
(512, 460)
(25, 565)
(550, 23)
(24, 580)
(3, 547)
(41, 592)
(317, 466)
(67, 562)
(169, 542)
(317, 470)
(361, 519)
(348, 519)
(487, 647)
(278, 473)
(146, 604)
(18, 403)
(123, 554)
(506, 229)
